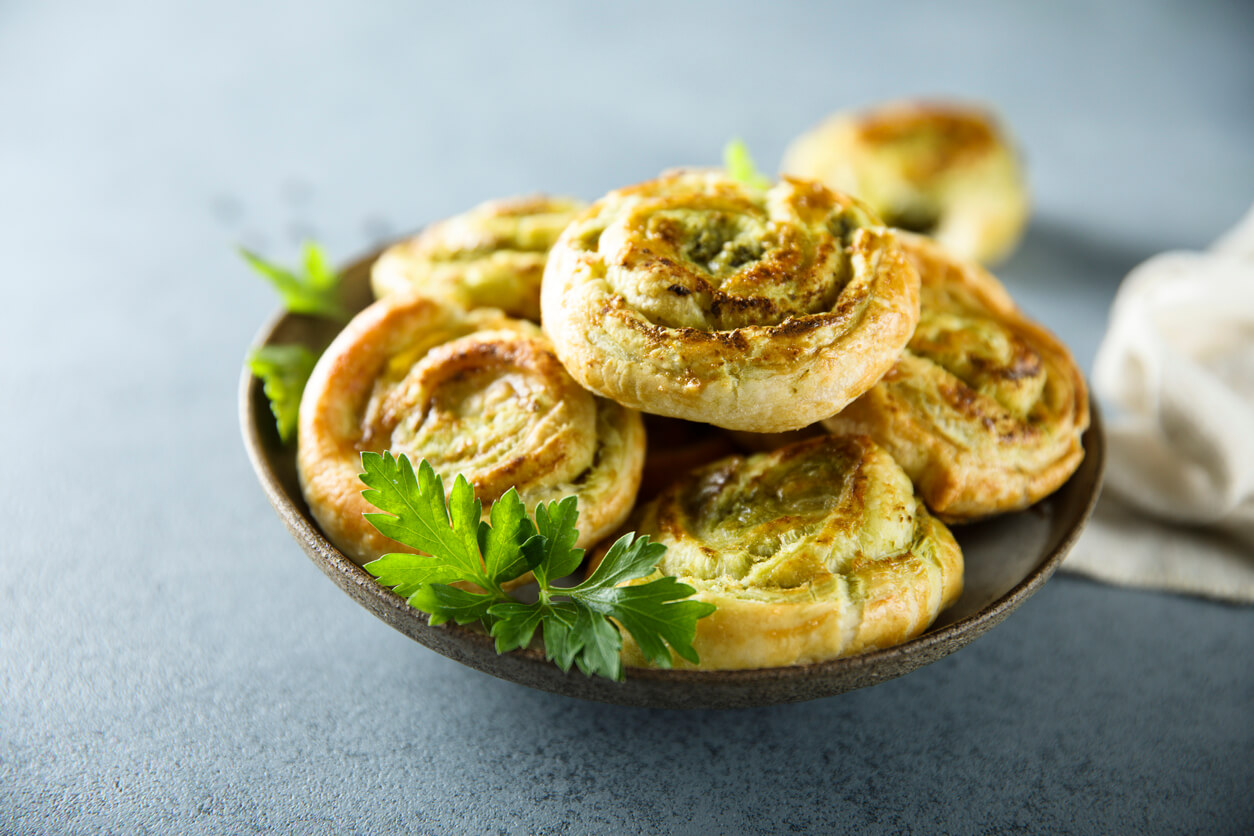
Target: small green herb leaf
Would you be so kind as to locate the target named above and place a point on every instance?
(515, 624)
(601, 645)
(654, 613)
(465, 511)
(629, 558)
(316, 292)
(443, 603)
(740, 166)
(318, 271)
(406, 572)
(556, 522)
(562, 642)
(416, 514)
(284, 370)
(504, 557)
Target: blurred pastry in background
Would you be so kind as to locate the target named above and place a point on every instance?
(490, 257)
(945, 170)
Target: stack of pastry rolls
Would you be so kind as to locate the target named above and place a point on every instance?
(882, 385)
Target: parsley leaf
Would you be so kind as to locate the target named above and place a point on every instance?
(316, 292)
(626, 560)
(467, 561)
(407, 572)
(655, 613)
(443, 603)
(416, 515)
(515, 624)
(740, 166)
(555, 522)
(504, 542)
(601, 642)
(283, 370)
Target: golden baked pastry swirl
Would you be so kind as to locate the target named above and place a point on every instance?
(696, 297)
(945, 170)
(811, 552)
(490, 257)
(475, 393)
(985, 408)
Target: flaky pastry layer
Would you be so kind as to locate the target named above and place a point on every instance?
(985, 409)
(490, 257)
(812, 552)
(944, 170)
(696, 297)
(476, 393)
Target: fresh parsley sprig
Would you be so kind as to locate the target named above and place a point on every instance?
(284, 370)
(580, 624)
(317, 292)
(740, 166)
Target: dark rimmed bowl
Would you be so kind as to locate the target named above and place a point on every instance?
(1007, 560)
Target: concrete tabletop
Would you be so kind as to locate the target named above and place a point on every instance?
(170, 662)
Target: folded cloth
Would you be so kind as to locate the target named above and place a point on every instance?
(1176, 368)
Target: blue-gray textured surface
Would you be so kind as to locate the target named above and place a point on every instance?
(170, 661)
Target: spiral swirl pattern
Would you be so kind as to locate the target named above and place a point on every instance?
(985, 409)
(695, 297)
(475, 393)
(492, 256)
(943, 170)
(811, 552)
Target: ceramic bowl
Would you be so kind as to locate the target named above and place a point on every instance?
(1007, 560)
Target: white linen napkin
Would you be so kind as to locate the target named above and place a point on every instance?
(1176, 372)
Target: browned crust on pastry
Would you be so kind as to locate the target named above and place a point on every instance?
(814, 551)
(694, 297)
(490, 256)
(396, 377)
(993, 430)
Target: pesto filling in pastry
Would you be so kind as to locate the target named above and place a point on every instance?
(696, 297)
(985, 409)
(490, 257)
(474, 393)
(812, 552)
(943, 170)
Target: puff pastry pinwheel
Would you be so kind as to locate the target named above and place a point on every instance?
(814, 551)
(944, 170)
(490, 257)
(475, 393)
(696, 297)
(985, 409)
